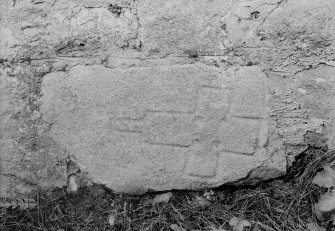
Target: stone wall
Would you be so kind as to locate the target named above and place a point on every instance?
(161, 94)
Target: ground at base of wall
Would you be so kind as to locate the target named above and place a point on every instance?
(282, 204)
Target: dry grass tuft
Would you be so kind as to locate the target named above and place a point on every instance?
(283, 204)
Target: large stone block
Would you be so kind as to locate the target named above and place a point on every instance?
(121, 124)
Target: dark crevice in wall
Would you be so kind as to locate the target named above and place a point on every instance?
(115, 9)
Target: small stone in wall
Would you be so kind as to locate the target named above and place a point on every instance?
(73, 187)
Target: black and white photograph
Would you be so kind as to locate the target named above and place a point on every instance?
(167, 115)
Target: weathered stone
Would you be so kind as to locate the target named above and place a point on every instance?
(104, 118)
(282, 36)
(181, 26)
(249, 94)
(163, 94)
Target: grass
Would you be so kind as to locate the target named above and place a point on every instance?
(281, 204)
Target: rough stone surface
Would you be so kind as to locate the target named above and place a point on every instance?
(161, 94)
(179, 26)
(154, 123)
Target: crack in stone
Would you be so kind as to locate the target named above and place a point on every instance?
(281, 2)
